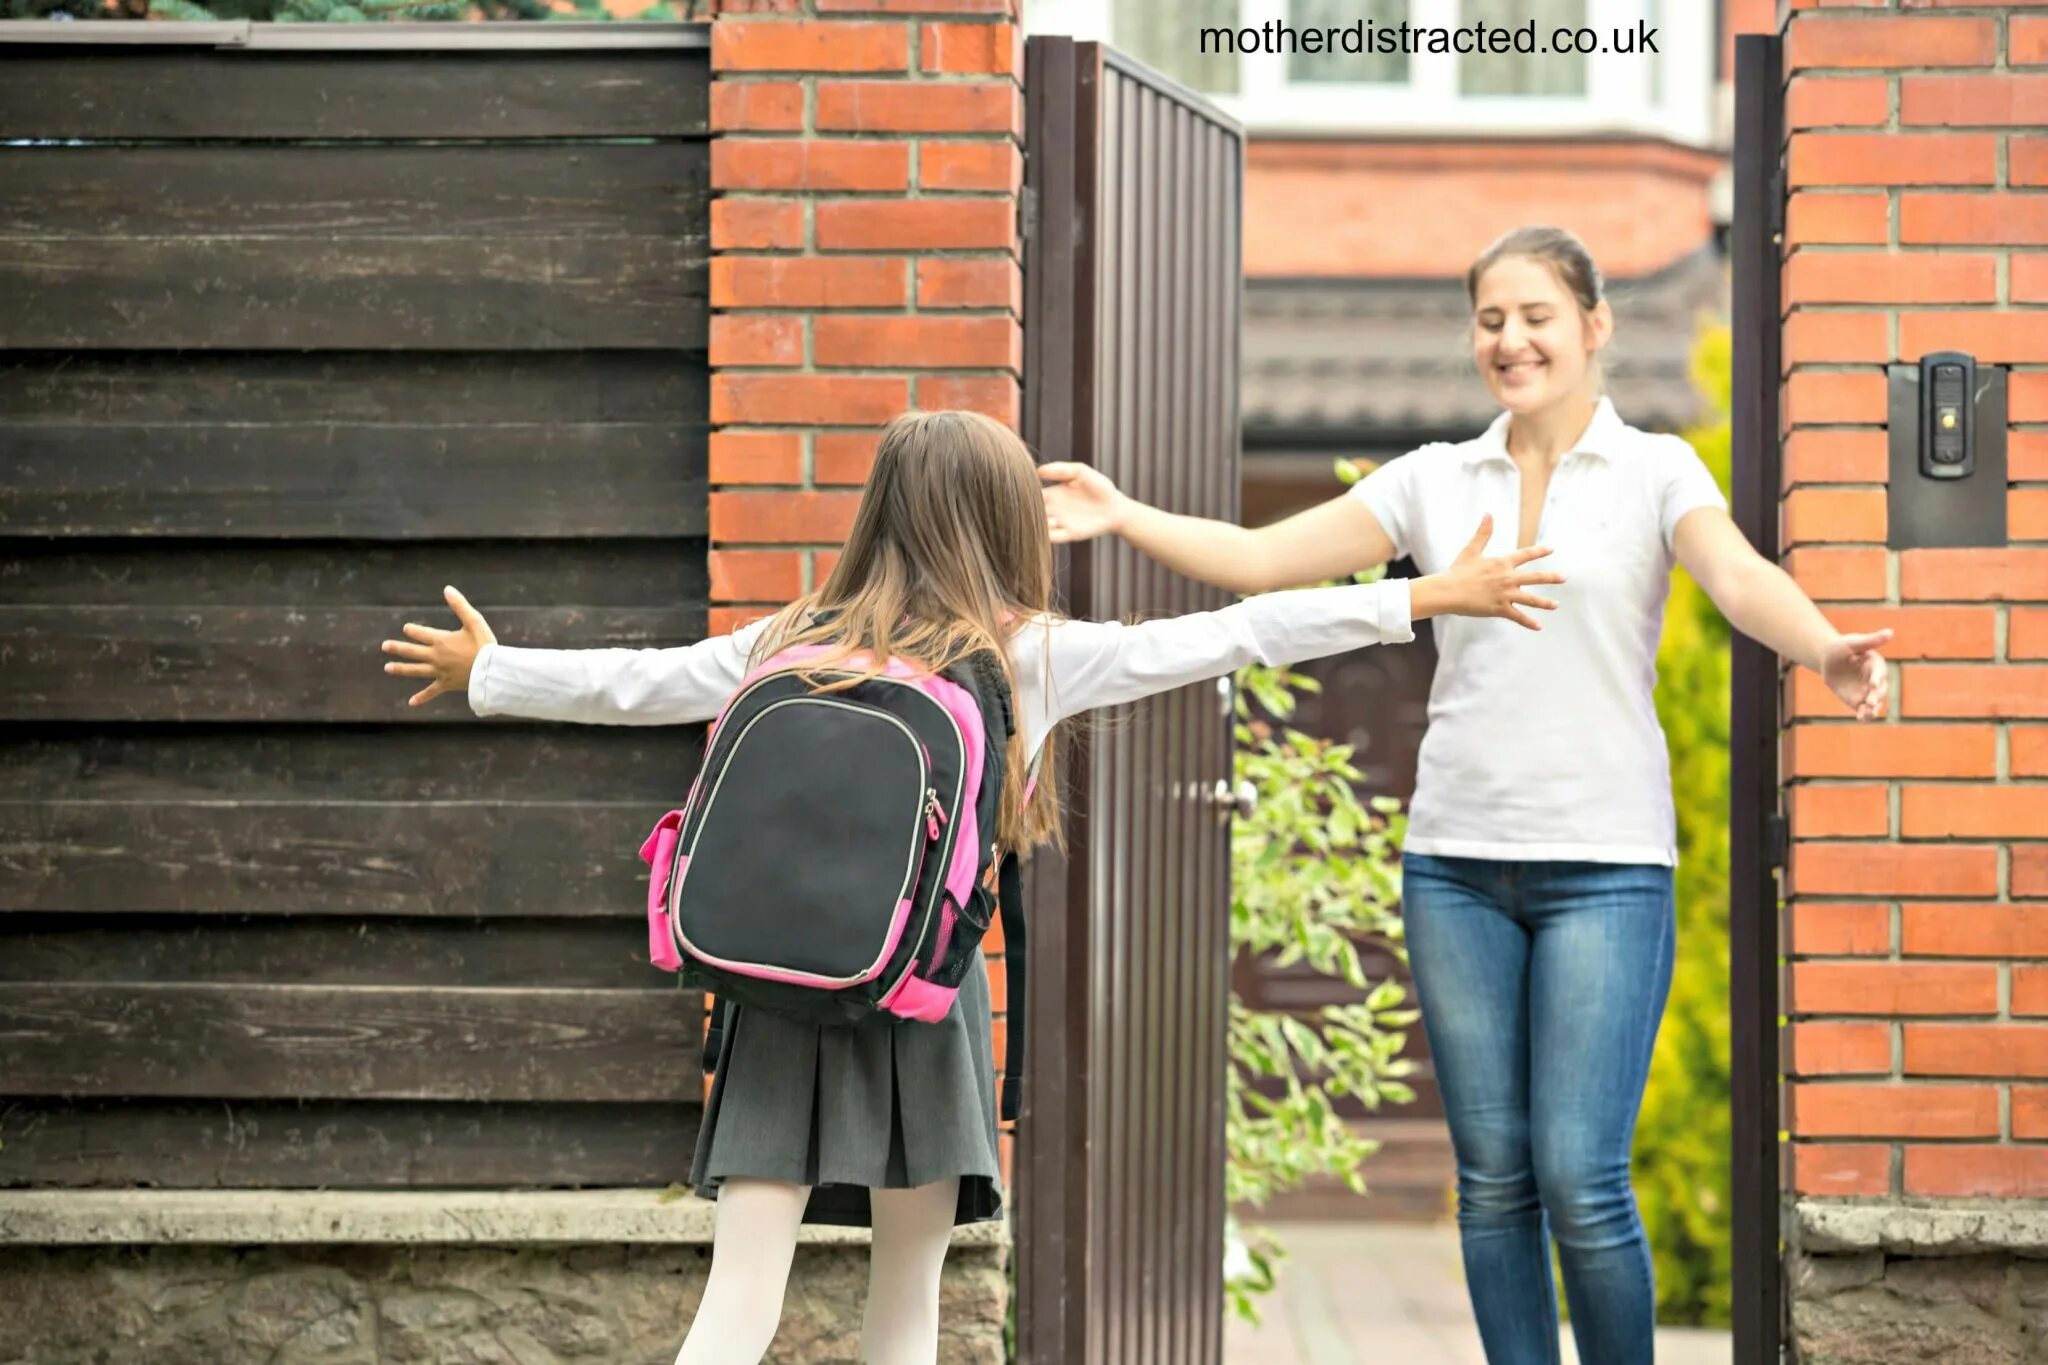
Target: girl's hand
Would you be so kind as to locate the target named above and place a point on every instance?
(1480, 585)
(445, 656)
(1081, 503)
(1855, 672)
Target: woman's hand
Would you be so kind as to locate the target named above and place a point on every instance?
(1081, 503)
(1477, 584)
(444, 656)
(1855, 672)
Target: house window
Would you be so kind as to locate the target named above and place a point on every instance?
(1376, 68)
(1166, 35)
(1515, 73)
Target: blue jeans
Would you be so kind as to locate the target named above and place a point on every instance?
(1541, 986)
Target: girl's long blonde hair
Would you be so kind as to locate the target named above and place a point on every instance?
(949, 554)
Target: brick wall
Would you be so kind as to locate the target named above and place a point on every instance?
(1917, 167)
(865, 260)
(1916, 142)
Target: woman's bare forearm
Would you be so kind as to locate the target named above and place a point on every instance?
(1763, 602)
(1214, 552)
(1333, 539)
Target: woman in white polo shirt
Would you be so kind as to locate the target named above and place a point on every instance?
(1538, 866)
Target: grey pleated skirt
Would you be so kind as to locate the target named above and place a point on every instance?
(878, 1105)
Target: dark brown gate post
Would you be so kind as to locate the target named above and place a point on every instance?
(1755, 829)
(1132, 189)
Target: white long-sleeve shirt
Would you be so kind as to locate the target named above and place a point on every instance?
(1061, 668)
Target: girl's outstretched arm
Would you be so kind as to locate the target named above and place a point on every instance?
(1104, 663)
(1333, 539)
(594, 686)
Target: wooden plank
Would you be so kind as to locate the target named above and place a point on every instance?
(316, 293)
(271, 663)
(282, 1144)
(350, 1042)
(506, 190)
(177, 95)
(353, 482)
(387, 388)
(192, 763)
(608, 954)
(405, 577)
(453, 858)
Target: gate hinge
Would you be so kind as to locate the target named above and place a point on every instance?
(1777, 839)
(1778, 204)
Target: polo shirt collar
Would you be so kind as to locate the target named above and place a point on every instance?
(1602, 437)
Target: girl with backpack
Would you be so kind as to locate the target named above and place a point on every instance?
(889, 1119)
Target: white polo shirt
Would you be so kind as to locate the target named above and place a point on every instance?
(1545, 744)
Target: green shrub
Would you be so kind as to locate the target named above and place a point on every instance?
(1313, 873)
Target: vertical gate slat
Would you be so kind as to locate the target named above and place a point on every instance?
(1150, 304)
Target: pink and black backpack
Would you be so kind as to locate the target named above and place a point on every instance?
(836, 857)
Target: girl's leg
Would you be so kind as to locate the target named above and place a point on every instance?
(912, 1231)
(751, 1248)
(1598, 983)
(1469, 952)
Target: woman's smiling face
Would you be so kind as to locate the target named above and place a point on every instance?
(1531, 340)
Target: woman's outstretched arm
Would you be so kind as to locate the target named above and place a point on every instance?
(1333, 539)
(1761, 600)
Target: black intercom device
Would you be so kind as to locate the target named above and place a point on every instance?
(1946, 417)
(1948, 394)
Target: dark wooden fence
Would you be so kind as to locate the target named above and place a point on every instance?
(297, 325)
(1132, 365)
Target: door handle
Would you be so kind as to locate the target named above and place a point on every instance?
(1241, 800)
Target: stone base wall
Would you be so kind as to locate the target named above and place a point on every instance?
(1870, 1308)
(1883, 1282)
(438, 1305)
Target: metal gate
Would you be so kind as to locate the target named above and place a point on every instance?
(1132, 189)
(1755, 827)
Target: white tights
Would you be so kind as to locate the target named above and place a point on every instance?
(755, 1241)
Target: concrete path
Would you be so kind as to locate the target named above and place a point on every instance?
(1378, 1293)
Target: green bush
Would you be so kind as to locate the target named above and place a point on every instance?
(1682, 1140)
(1314, 873)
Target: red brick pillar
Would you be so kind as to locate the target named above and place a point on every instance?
(1917, 161)
(864, 258)
(865, 261)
